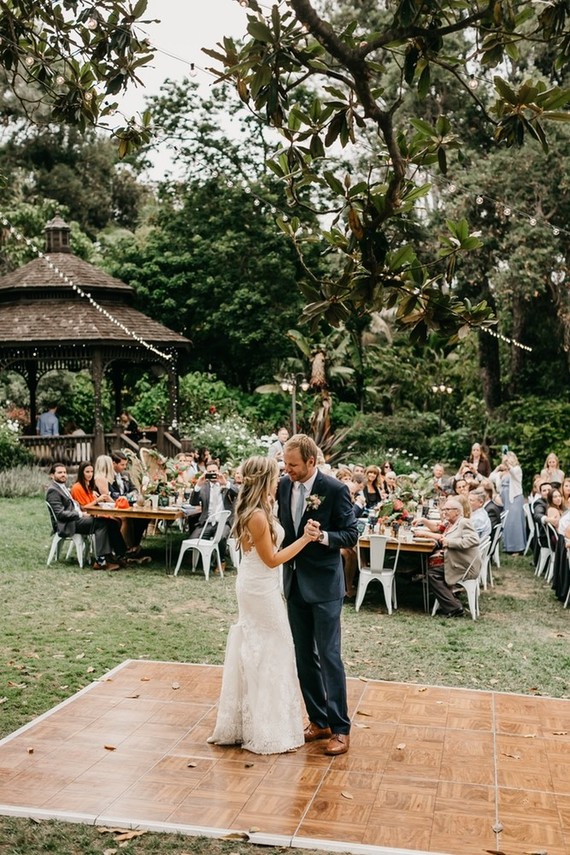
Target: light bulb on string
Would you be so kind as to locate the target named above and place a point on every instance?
(192, 72)
(532, 221)
(473, 83)
(479, 200)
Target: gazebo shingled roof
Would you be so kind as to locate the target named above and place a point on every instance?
(46, 324)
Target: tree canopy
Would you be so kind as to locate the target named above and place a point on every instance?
(330, 83)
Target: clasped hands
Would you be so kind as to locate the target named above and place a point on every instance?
(312, 529)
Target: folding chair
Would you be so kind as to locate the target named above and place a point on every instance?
(203, 547)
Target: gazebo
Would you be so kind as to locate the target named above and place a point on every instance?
(59, 312)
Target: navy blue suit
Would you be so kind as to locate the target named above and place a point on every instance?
(314, 587)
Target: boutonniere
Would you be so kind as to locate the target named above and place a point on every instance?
(314, 502)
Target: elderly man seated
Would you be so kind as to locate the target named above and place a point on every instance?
(456, 555)
(480, 519)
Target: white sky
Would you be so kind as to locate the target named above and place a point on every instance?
(185, 27)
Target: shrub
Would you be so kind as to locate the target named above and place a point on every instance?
(408, 430)
(230, 438)
(11, 452)
(22, 481)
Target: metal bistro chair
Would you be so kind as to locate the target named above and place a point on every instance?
(83, 544)
(203, 547)
(471, 586)
(530, 526)
(546, 553)
(376, 569)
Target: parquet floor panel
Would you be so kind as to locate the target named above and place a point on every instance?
(430, 769)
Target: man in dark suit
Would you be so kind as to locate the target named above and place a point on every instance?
(214, 493)
(539, 509)
(314, 587)
(70, 519)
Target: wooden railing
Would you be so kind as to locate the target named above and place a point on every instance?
(71, 450)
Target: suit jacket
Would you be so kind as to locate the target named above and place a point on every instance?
(461, 552)
(202, 497)
(115, 490)
(319, 568)
(494, 512)
(66, 513)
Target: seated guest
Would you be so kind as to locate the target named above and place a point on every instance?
(565, 490)
(71, 520)
(214, 493)
(491, 504)
(372, 489)
(539, 514)
(358, 469)
(552, 471)
(343, 473)
(84, 493)
(457, 553)
(439, 484)
(390, 483)
(110, 477)
(460, 487)
(479, 516)
(535, 489)
(554, 507)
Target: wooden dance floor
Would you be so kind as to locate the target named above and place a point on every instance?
(430, 769)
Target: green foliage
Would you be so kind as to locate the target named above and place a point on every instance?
(18, 481)
(407, 430)
(11, 452)
(228, 438)
(533, 427)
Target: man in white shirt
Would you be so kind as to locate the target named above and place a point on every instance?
(479, 516)
(214, 493)
(276, 449)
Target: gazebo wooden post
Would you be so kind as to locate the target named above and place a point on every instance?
(117, 380)
(99, 429)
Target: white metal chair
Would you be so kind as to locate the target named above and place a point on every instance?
(203, 547)
(552, 536)
(81, 543)
(376, 568)
(546, 553)
(234, 553)
(530, 525)
(494, 551)
(471, 586)
(485, 574)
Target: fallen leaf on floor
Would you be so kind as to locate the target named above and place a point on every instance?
(130, 835)
(423, 689)
(236, 835)
(36, 820)
(495, 852)
(362, 726)
(3, 700)
(176, 685)
(30, 750)
(145, 679)
(529, 735)
(191, 765)
(131, 697)
(16, 685)
(110, 747)
(363, 712)
(80, 656)
(536, 852)
(346, 795)
(90, 669)
(363, 679)
(514, 756)
(248, 765)
(110, 851)
(254, 829)
(554, 732)
(400, 746)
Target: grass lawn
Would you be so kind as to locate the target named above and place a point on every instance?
(63, 627)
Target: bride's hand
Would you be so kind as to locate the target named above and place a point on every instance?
(312, 530)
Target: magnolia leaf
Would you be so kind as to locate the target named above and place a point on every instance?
(191, 765)
(346, 795)
(254, 829)
(145, 679)
(236, 835)
(514, 756)
(130, 835)
(363, 712)
(110, 747)
(30, 750)
(176, 685)
(400, 746)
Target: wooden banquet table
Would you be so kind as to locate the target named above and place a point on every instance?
(412, 547)
(167, 515)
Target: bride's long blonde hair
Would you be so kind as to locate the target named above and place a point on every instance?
(258, 474)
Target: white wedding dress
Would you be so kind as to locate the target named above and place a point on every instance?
(260, 703)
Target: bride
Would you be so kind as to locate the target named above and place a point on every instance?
(260, 705)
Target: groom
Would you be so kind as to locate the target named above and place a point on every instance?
(314, 587)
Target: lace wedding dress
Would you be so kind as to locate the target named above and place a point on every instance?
(260, 702)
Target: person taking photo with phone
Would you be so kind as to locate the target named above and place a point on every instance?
(214, 493)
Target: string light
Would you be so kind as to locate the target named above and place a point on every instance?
(507, 339)
(85, 294)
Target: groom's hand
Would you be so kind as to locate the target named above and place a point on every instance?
(313, 529)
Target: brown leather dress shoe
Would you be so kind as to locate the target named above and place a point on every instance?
(314, 732)
(338, 744)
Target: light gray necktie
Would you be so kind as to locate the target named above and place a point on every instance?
(300, 506)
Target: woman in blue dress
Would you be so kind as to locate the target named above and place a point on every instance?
(514, 532)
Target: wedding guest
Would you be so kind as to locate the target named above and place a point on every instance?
(84, 492)
(479, 516)
(514, 532)
(276, 448)
(477, 464)
(552, 471)
(48, 423)
(372, 489)
(554, 506)
(130, 426)
(565, 490)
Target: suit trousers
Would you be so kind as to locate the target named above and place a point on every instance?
(447, 599)
(316, 634)
(98, 528)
